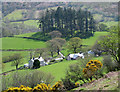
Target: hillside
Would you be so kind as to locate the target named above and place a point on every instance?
(27, 14)
(106, 11)
(108, 82)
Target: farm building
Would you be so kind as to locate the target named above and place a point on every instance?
(91, 53)
(75, 56)
(36, 62)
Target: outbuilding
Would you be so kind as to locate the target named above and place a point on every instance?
(75, 56)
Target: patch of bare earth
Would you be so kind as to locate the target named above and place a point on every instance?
(108, 82)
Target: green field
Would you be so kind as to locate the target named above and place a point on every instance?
(58, 70)
(111, 23)
(21, 43)
(7, 66)
(90, 41)
(26, 34)
(9, 53)
(15, 15)
(32, 23)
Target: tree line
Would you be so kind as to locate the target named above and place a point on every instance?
(68, 21)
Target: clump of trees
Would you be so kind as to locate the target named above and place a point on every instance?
(69, 22)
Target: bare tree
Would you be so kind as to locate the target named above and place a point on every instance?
(55, 45)
(40, 51)
(17, 60)
(55, 34)
(59, 43)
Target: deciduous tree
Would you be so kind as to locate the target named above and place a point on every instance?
(74, 44)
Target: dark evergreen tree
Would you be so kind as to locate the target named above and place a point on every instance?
(69, 22)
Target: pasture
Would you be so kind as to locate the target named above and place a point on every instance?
(26, 34)
(32, 23)
(21, 43)
(58, 70)
(110, 23)
(90, 41)
(15, 15)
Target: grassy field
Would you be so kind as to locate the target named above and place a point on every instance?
(90, 41)
(111, 23)
(21, 43)
(9, 53)
(15, 15)
(7, 66)
(26, 34)
(58, 70)
(33, 23)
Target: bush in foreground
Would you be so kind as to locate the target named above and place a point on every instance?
(30, 79)
(39, 88)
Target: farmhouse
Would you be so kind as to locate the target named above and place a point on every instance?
(35, 61)
(75, 56)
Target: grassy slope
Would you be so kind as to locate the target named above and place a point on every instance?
(58, 70)
(7, 66)
(21, 43)
(26, 34)
(90, 41)
(103, 83)
(111, 23)
(29, 23)
(17, 14)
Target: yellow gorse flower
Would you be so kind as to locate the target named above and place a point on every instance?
(40, 87)
(91, 67)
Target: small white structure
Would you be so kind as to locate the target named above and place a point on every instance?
(75, 56)
(26, 65)
(42, 62)
(58, 59)
(62, 56)
(90, 53)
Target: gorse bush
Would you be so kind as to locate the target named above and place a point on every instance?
(39, 88)
(91, 68)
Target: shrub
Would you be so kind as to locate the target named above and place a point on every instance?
(91, 68)
(42, 87)
(30, 79)
(36, 64)
(73, 74)
(111, 65)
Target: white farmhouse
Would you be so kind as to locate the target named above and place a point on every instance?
(75, 56)
(42, 62)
